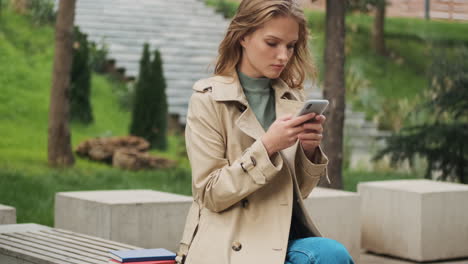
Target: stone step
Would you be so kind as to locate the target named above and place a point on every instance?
(194, 62)
(105, 28)
(188, 44)
(166, 39)
(118, 20)
(165, 50)
(147, 12)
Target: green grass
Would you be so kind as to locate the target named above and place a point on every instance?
(26, 182)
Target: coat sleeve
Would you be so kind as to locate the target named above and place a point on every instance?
(217, 183)
(308, 172)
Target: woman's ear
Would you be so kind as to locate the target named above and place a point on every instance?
(243, 41)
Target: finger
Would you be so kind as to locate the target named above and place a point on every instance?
(310, 136)
(301, 119)
(295, 131)
(320, 118)
(313, 126)
(309, 145)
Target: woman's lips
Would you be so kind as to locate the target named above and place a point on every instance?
(277, 66)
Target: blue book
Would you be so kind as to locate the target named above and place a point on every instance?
(133, 255)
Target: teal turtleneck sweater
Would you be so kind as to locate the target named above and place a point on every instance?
(261, 98)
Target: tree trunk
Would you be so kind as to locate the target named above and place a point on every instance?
(59, 146)
(378, 32)
(334, 90)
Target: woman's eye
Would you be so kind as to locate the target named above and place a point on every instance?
(291, 46)
(271, 44)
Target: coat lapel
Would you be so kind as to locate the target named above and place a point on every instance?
(285, 101)
(249, 124)
(228, 88)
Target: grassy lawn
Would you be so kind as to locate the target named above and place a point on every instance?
(26, 182)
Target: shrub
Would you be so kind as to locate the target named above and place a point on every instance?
(42, 11)
(80, 80)
(441, 137)
(98, 56)
(149, 116)
(227, 8)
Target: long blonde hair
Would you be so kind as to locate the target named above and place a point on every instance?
(253, 14)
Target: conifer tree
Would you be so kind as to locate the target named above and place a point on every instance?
(150, 106)
(80, 81)
(160, 101)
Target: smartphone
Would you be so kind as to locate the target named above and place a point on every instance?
(313, 106)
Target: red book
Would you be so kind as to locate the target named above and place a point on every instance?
(113, 261)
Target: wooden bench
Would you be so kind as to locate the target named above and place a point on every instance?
(37, 244)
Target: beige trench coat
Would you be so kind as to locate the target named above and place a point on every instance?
(243, 200)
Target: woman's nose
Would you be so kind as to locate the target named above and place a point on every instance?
(283, 54)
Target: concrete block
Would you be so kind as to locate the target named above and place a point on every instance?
(420, 220)
(337, 215)
(7, 215)
(144, 218)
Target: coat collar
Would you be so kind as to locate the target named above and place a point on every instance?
(228, 88)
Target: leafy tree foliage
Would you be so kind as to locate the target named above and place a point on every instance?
(442, 138)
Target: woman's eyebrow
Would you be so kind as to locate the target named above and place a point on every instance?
(274, 37)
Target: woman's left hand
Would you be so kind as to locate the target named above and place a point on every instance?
(312, 136)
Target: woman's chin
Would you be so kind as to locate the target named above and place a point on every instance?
(272, 75)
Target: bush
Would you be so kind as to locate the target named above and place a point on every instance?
(98, 56)
(441, 137)
(42, 11)
(227, 8)
(80, 80)
(149, 116)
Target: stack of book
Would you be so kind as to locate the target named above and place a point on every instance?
(142, 256)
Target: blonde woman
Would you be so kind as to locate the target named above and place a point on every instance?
(252, 160)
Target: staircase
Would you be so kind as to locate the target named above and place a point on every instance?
(186, 32)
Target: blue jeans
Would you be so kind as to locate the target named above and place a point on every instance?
(317, 250)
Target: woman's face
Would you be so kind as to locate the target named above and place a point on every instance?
(268, 49)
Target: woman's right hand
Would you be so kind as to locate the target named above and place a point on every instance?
(283, 132)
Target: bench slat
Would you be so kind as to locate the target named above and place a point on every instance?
(63, 248)
(73, 241)
(79, 248)
(59, 254)
(107, 242)
(75, 236)
(32, 254)
(26, 255)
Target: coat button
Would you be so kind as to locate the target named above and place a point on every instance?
(236, 246)
(254, 161)
(245, 203)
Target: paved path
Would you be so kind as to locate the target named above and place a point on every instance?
(369, 258)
